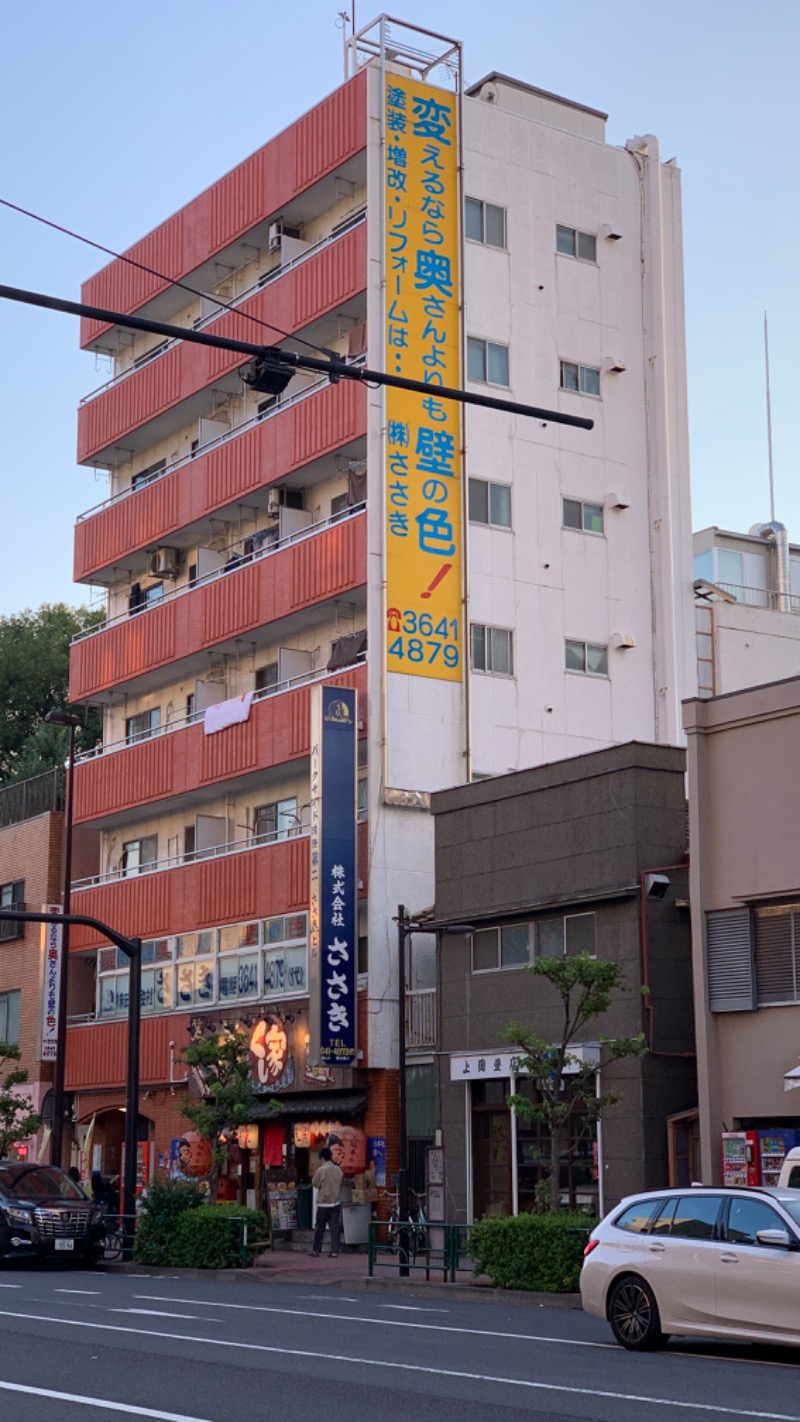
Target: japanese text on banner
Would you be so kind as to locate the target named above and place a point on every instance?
(423, 432)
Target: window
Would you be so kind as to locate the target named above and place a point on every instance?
(264, 406)
(189, 841)
(275, 821)
(146, 476)
(581, 515)
(492, 649)
(487, 361)
(489, 503)
(585, 379)
(587, 657)
(267, 676)
(696, 1217)
(9, 1018)
(747, 1217)
(339, 505)
(285, 955)
(571, 243)
(507, 947)
(139, 598)
(567, 936)
(637, 1218)
(138, 855)
(777, 944)
(143, 725)
(484, 222)
(11, 894)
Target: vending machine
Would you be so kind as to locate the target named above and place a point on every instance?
(740, 1158)
(774, 1145)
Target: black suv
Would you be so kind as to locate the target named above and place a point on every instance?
(44, 1215)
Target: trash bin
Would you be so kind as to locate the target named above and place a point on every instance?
(356, 1220)
(304, 1192)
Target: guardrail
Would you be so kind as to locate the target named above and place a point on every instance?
(422, 1247)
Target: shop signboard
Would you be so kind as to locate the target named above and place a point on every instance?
(269, 1051)
(52, 934)
(334, 886)
(424, 538)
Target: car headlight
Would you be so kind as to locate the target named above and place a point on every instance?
(23, 1217)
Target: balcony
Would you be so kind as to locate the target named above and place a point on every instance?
(767, 598)
(39, 795)
(97, 1052)
(252, 880)
(309, 152)
(179, 762)
(151, 402)
(282, 582)
(296, 433)
(420, 1018)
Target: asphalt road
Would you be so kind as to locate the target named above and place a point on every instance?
(94, 1347)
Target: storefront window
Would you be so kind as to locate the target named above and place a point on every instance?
(238, 976)
(493, 1155)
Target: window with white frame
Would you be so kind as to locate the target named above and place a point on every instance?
(139, 855)
(582, 515)
(487, 361)
(591, 658)
(567, 935)
(572, 243)
(285, 956)
(492, 649)
(485, 222)
(275, 821)
(507, 947)
(489, 503)
(9, 1018)
(583, 379)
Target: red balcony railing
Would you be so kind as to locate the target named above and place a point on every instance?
(278, 731)
(317, 286)
(322, 566)
(97, 1052)
(317, 144)
(262, 453)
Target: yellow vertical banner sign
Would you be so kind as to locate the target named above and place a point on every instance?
(424, 635)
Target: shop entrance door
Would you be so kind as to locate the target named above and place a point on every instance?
(491, 1149)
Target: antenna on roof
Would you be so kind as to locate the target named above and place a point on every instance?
(769, 423)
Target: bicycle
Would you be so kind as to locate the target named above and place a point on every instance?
(409, 1235)
(113, 1242)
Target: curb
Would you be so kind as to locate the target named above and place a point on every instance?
(484, 1293)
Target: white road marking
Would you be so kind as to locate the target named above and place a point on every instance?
(10, 1286)
(95, 1293)
(160, 1313)
(381, 1322)
(128, 1408)
(698, 1408)
(415, 1308)
(319, 1298)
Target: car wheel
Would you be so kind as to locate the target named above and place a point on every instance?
(633, 1315)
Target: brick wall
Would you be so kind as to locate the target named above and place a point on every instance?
(161, 1108)
(30, 851)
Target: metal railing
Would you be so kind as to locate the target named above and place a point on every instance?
(180, 724)
(234, 566)
(27, 798)
(176, 861)
(265, 279)
(768, 598)
(421, 1017)
(428, 1248)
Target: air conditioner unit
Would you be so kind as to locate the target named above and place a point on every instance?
(164, 563)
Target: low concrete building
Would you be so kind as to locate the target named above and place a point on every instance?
(560, 859)
(743, 752)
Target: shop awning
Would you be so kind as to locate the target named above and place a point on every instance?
(316, 1105)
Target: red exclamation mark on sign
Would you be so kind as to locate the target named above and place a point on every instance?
(445, 568)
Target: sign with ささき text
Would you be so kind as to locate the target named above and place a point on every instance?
(422, 342)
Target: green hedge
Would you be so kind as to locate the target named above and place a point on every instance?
(163, 1205)
(540, 1252)
(211, 1237)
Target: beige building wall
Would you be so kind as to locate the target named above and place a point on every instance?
(743, 758)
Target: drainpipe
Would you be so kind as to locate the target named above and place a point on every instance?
(777, 534)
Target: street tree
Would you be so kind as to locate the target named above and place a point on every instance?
(565, 1100)
(34, 679)
(18, 1120)
(221, 1067)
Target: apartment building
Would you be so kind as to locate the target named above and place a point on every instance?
(499, 591)
(747, 597)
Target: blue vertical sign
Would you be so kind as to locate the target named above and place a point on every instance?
(338, 885)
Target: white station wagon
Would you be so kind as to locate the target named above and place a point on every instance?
(720, 1262)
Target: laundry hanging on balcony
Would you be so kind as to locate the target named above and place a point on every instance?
(227, 713)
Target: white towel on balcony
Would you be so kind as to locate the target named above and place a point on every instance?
(227, 713)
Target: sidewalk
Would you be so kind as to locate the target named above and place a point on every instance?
(289, 1266)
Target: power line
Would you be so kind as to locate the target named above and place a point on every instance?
(142, 266)
(274, 360)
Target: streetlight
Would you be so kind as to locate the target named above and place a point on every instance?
(405, 928)
(63, 718)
